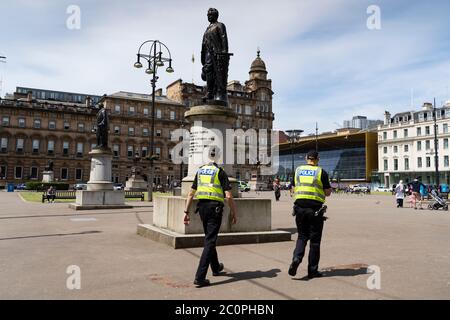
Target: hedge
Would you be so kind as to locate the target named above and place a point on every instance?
(41, 186)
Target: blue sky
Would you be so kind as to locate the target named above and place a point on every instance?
(326, 65)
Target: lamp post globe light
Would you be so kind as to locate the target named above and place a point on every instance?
(293, 136)
(158, 55)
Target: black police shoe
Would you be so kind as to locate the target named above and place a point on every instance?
(293, 267)
(201, 283)
(218, 272)
(316, 274)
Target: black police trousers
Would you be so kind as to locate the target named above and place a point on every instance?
(211, 215)
(309, 228)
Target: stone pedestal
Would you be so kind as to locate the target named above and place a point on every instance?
(48, 176)
(208, 127)
(100, 193)
(101, 170)
(136, 184)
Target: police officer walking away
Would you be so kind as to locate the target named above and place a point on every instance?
(211, 186)
(310, 187)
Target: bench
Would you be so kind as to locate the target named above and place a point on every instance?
(134, 195)
(60, 195)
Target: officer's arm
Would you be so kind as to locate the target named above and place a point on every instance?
(189, 200)
(328, 192)
(230, 201)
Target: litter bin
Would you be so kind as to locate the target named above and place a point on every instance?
(10, 187)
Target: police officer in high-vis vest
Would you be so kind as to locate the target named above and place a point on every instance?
(310, 187)
(211, 187)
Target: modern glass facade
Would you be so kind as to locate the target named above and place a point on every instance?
(343, 164)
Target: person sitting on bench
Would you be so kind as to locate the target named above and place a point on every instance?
(51, 194)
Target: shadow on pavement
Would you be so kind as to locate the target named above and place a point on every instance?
(339, 272)
(247, 275)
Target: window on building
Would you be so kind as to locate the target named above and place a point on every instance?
(405, 133)
(93, 146)
(35, 146)
(145, 110)
(51, 147)
(395, 134)
(2, 172)
(131, 111)
(384, 135)
(64, 174)
(130, 151)
(18, 171)
(4, 145)
(385, 162)
(116, 129)
(419, 145)
(395, 164)
(5, 121)
(419, 131)
(37, 123)
(406, 148)
(21, 122)
(66, 125)
(116, 150)
(406, 164)
(427, 145)
(395, 149)
(145, 132)
(427, 130)
(81, 127)
(158, 133)
(79, 149)
(131, 131)
(51, 125)
(172, 115)
(78, 174)
(117, 108)
(158, 151)
(445, 128)
(19, 145)
(446, 161)
(419, 162)
(385, 150)
(428, 162)
(65, 148)
(144, 152)
(158, 114)
(34, 173)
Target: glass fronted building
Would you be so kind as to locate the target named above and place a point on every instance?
(347, 156)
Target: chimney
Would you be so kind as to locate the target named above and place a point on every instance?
(387, 118)
(158, 93)
(29, 96)
(88, 102)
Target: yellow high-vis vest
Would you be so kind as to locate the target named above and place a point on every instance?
(208, 184)
(308, 183)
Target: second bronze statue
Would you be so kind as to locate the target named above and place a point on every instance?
(102, 128)
(215, 60)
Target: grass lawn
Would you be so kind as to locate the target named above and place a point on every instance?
(37, 197)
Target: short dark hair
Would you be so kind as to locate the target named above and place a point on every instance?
(312, 155)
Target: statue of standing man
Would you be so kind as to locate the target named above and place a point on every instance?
(102, 128)
(215, 60)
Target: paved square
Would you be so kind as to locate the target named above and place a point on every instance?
(38, 242)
